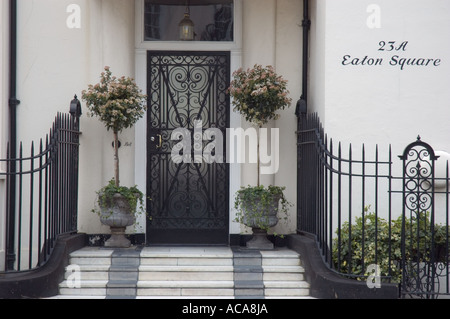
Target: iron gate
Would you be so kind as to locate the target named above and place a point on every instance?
(189, 200)
(363, 214)
(424, 252)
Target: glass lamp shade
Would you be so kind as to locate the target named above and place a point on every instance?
(186, 28)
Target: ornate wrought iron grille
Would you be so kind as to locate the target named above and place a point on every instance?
(188, 201)
(420, 265)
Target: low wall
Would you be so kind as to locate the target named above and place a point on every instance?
(43, 282)
(326, 284)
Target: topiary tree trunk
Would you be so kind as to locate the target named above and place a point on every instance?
(116, 158)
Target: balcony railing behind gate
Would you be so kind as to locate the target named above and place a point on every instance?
(41, 196)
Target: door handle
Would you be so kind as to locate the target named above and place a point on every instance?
(157, 139)
(160, 141)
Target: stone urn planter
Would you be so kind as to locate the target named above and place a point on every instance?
(117, 213)
(258, 208)
(118, 208)
(259, 217)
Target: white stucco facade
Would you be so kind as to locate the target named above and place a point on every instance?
(358, 84)
(378, 76)
(63, 46)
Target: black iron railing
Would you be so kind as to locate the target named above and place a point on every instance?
(41, 196)
(370, 216)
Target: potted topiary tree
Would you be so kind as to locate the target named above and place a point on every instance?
(258, 93)
(119, 104)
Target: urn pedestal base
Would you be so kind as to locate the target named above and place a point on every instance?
(118, 239)
(260, 240)
(116, 213)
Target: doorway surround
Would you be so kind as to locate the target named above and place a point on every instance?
(141, 49)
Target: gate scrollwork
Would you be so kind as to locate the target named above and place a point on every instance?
(419, 264)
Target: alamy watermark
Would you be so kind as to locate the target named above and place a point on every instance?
(73, 276)
(240, 144)
(73, 20)
(374, 279)
(374, 18)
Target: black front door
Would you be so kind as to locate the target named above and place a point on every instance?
(189, 200)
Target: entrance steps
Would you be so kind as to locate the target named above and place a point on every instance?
(183, 272)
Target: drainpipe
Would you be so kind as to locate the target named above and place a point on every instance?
(302, 104)
(13, 103)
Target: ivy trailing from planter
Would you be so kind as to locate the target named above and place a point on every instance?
(133, 195)
(254, 202)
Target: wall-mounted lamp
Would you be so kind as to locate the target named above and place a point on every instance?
(75, 107)
(75, 111)
(186, 26)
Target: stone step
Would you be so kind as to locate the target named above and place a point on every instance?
(85, 287)
(183, 272)
(280, 258)
(185, 275)
(279, 292)
(185, 288)
(219, 284)
(89, 275)
(185, 292)
(168, 261)
(186, 269)
(286, 284)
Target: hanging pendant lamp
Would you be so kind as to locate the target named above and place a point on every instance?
(186, 26)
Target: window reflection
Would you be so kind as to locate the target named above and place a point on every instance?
(213, 19)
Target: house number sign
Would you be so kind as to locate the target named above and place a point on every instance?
(392, 54)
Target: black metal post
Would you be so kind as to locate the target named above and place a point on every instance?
(75, 112)
(306, 24)
(302, 108)
(13, 103)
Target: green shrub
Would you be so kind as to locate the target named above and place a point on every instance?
(378, 237)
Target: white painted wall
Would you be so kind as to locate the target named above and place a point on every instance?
(288, 57)
(272, 35)
(56, 61)
(381, 104)
(376, 103)
(370, 104)
(259, 36)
